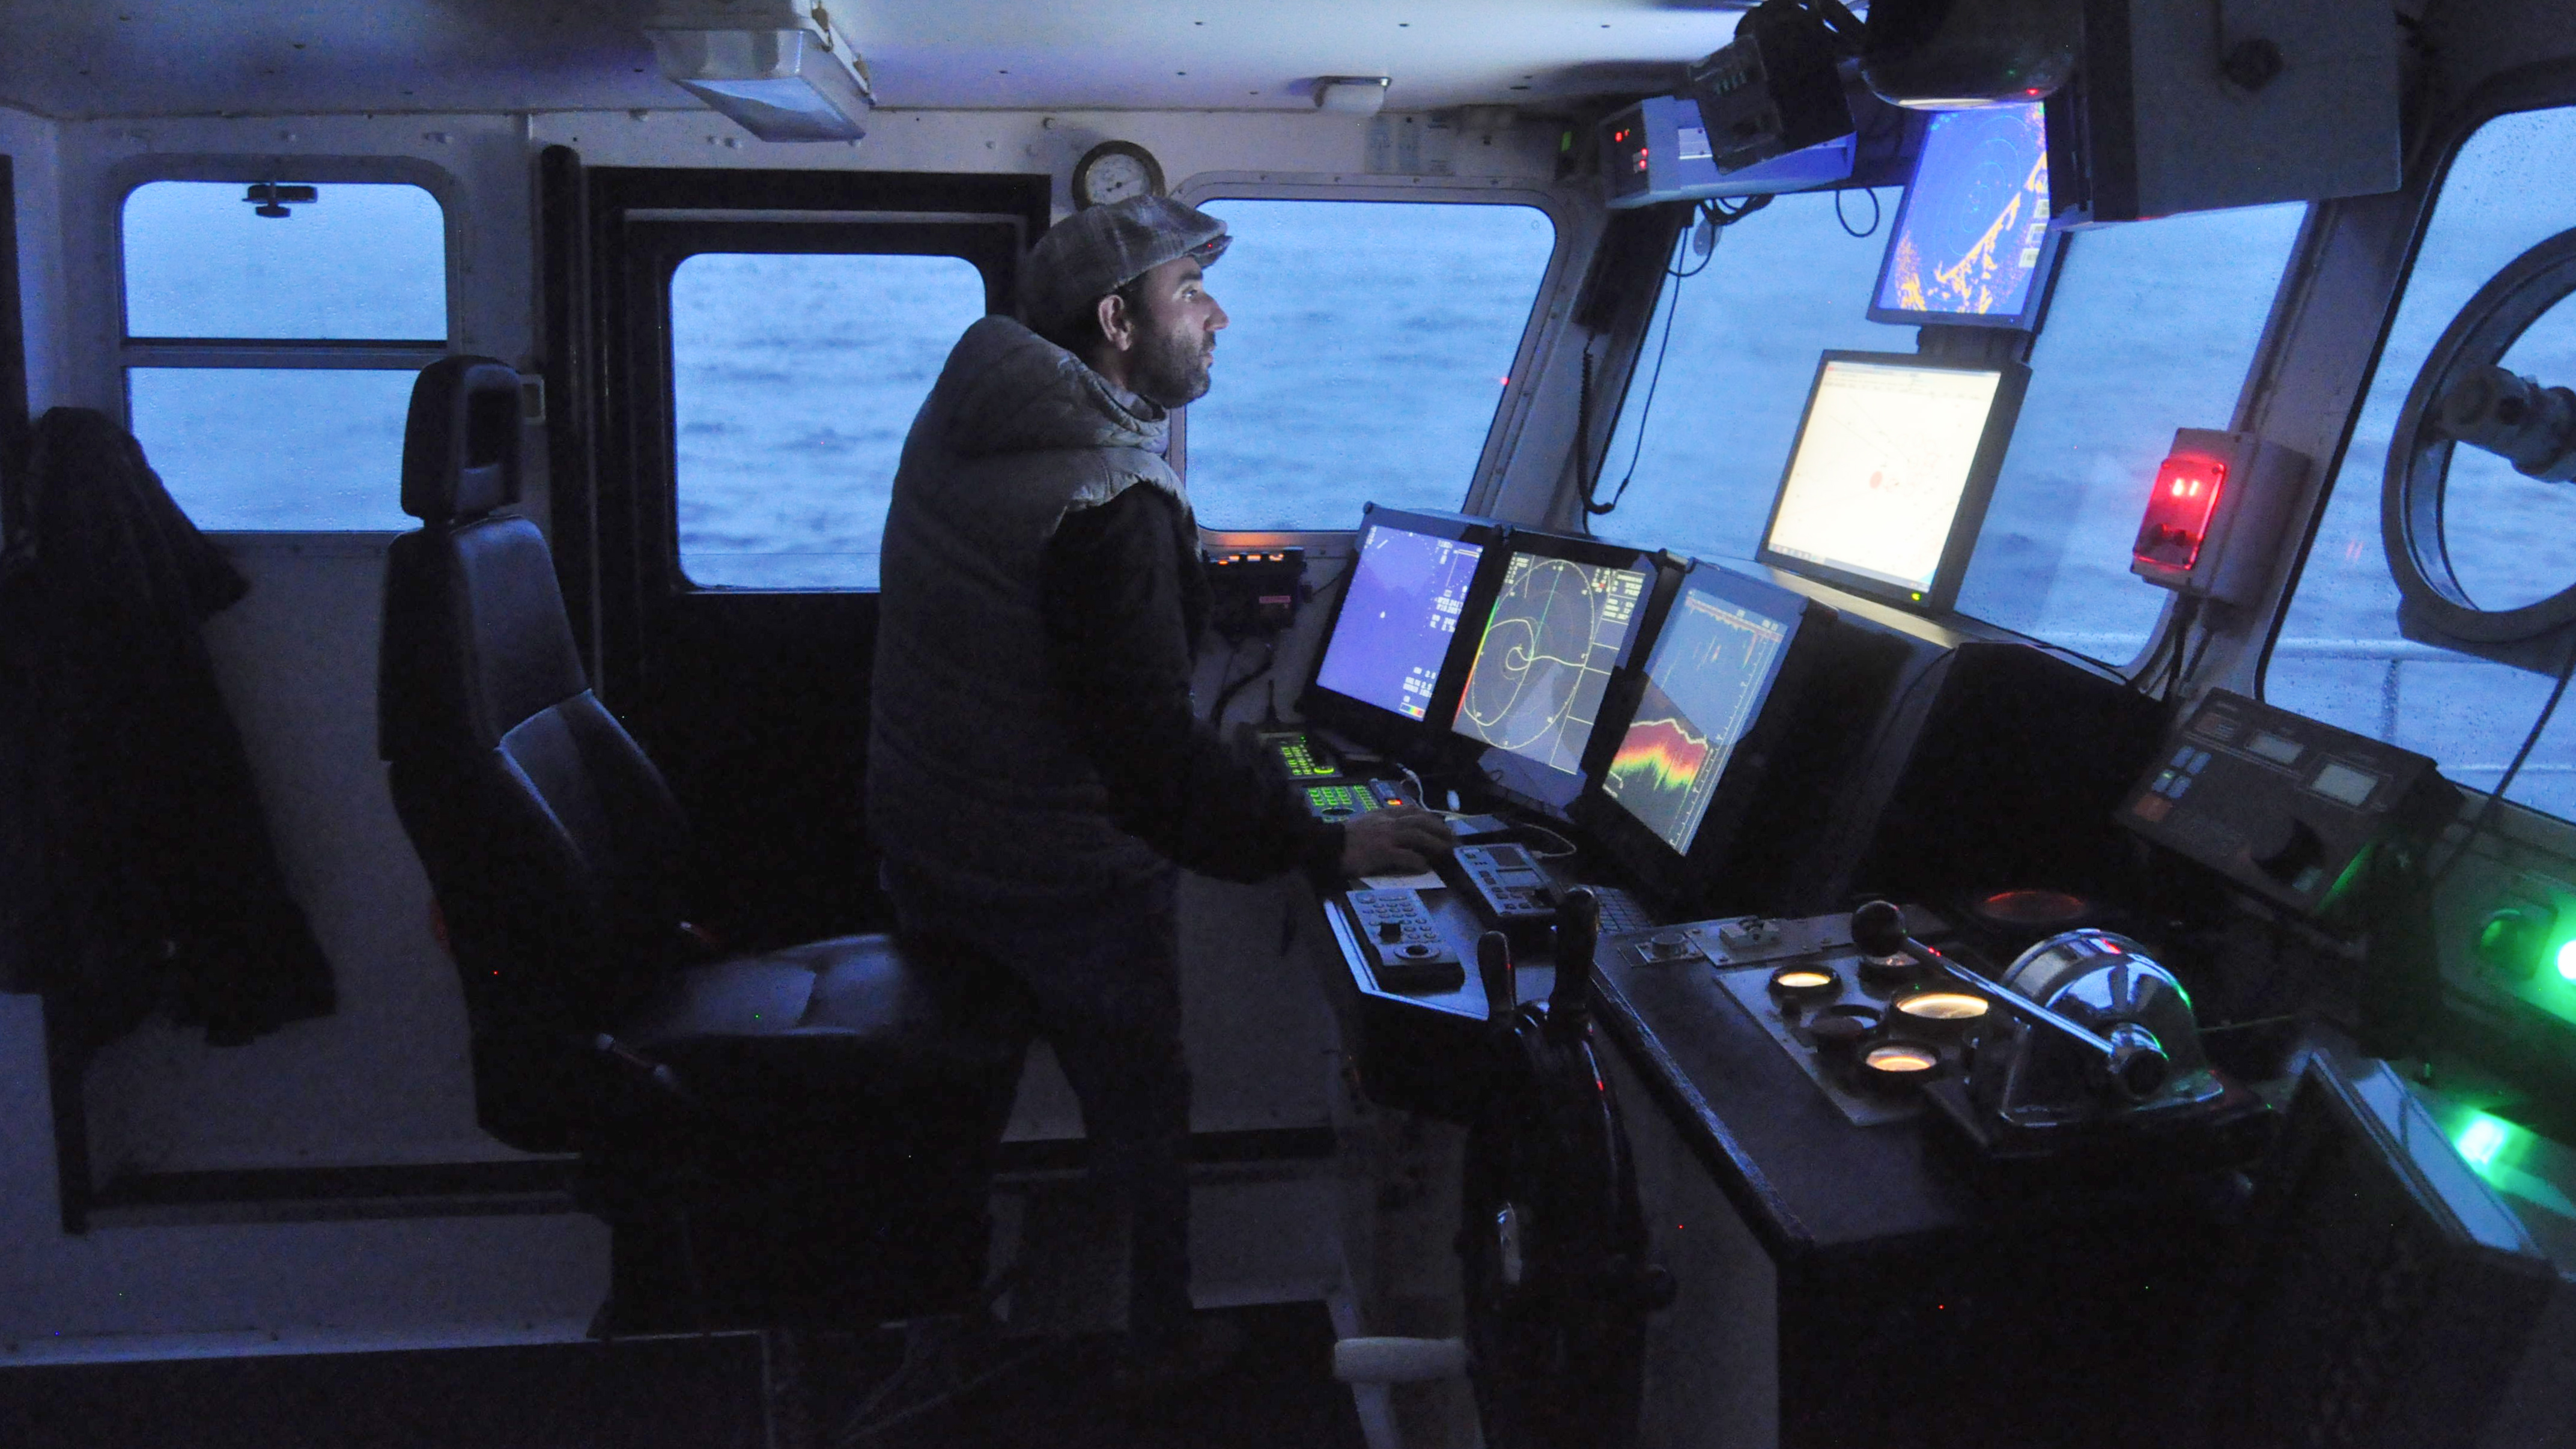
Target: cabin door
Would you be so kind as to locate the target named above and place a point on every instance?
(735, 356)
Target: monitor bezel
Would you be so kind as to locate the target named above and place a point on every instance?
(1374, 725)
(1966, 520)
(1662, 572)
(1683, 879)
(2043, 273)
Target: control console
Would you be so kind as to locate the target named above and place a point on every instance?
(2281, 804)
(1510, 889)
(1406, 950)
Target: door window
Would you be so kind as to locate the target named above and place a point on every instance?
(271, 334)
(1368, 346)
(794, 378)
(2339, 656)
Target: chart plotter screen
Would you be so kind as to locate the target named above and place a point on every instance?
(1545, 658)
(1397, 621)
(1973, 226)
(1705, 685)
(1881, 465)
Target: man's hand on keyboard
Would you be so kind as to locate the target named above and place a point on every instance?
(1399, 838)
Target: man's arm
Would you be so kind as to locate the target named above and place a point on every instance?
(1119, 653)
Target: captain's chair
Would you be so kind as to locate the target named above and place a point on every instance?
(799, 1135)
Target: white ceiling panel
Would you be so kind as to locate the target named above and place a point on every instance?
(91, 58)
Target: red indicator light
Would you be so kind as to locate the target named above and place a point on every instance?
(2178, 511)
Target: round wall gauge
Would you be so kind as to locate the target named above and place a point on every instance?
(1114, 171)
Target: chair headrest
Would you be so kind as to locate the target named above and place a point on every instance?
(461, 442)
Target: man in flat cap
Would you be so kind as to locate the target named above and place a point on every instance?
(1037, 773)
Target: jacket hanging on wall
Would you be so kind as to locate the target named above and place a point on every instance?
(136, 871)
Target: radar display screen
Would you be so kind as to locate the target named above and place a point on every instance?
(1881, 469)
(1396, 622)
(1556, 632)
(1705, 684)
(1971, 235)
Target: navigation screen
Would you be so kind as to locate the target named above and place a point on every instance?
(1880, 467)
(1704, 688)
(1969, 235)
(1396, 622)
(1546, 657)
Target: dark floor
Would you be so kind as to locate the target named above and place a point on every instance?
(1057, 1394)
(675, 1392)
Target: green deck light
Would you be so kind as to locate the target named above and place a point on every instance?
(2567, 960)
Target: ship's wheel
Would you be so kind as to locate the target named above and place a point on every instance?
(1554, 1245)
(2420, 491)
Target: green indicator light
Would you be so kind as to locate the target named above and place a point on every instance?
(2480, 1140)
(2567, 961)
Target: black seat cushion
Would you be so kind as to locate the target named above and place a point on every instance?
(825, 1028)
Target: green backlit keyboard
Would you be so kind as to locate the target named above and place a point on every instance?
(1302, 760)
(1339, 802)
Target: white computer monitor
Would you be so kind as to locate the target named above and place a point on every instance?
(1888, 480)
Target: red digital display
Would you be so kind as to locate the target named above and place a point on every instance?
(2179, 510)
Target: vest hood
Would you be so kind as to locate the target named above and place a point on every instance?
(1007, 390)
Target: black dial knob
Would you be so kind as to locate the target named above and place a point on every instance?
(2289, 850)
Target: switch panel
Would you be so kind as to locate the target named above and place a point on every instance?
(1406, 950)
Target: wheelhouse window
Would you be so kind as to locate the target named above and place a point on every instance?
(271, 333)
(2152, 328)
(794, 379)
(2510, 541)
(1722, 377)
(1368, 347)
(1705, 430)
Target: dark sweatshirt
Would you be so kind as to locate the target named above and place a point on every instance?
(1125, 597)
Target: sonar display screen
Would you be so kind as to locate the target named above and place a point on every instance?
(1974, 222)
(1705, 685)
(1546, 656)
(1881, 466)
(1397, 620)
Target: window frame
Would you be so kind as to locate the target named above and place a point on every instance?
(2548, 85)
(128, 352)
(661, 240)
(1546, 306)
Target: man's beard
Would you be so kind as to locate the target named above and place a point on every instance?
(1169, 370)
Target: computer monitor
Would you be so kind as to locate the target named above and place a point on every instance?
(1888, 481)
(1973, 245)
(1718, 699)
(1565, 615)
(1392, 660)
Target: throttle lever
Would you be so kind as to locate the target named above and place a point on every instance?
(2134, 1058)
(1501, 981)
(1578, 932)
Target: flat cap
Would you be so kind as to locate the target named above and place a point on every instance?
(1096, 251)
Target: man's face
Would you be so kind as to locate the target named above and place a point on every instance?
(1175, 335)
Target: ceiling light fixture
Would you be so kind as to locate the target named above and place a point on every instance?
(781, 69)
(1351, 95)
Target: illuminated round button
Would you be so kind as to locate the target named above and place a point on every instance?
(1943, 1006)
(1894, 1062)
(1805, 983)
